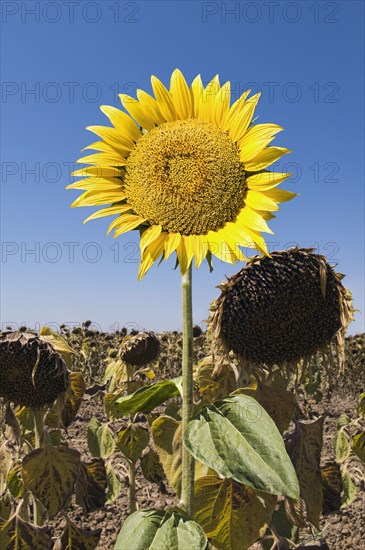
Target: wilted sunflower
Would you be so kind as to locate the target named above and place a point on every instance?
(187, 169)
(32, 373)
(281, 309)
(140, 350)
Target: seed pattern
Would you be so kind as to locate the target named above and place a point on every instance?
(141, 349)
(32, 373)
(187, 177)
(282, 308)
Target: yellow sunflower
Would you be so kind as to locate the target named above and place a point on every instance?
(187, 169)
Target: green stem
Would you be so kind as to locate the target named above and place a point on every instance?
(132, 487)
(187, 488)
(38, 435)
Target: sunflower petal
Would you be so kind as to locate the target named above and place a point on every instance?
(265, 180)
(197, 90)
(110, 211)
(164, 100)
(234, 235)
(136, 110)
(149, 103)
(280, 195)
(257, 239)
(256, 139)
(122, 122)
(260, 201)
(181, 95)
(98, 172)
(253, 220)
(265, 158)
(208, 100)
(97, 184)
(222, 103)
(218, 247)
(235, 108)
(151, 254)
(114, 138)
(149, 235)
(171, 243)
(124, 223)
(185, 253)
(99, 146)
(243, 118)
(200, 248)
(97, 198)
(113, 159)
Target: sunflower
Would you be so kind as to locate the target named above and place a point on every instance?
(282, 309)
(187, 169)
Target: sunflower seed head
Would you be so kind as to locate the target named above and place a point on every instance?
(32, 373)
(280, 309)
(140, 349)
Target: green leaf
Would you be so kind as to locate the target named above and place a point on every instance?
(167, 437)
(342, 445)
(15, 533)
(304, 446)
(5, 507)
(214, 385)
(358, 445)
(279, 403)
(50, 474)
(144, 399)
(58, 343)
(74, 538)
(71, 400)
(160, 530)
(15, 482)
(239, 440)
(100, 439)
(132, 441)
(349, 489)
(113, 485)
(152, 467)
(232, 516)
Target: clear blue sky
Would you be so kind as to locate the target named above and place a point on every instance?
(61, 60)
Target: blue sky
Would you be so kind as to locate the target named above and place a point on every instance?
(61, 60)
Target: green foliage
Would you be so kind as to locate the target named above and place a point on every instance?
(50, 475)
(100, 439)
(233, 516)
(143, 400)
(132, 441)
(238, 439)
(21, 535)
(159, 529)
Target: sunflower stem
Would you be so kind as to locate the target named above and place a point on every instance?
(187, 488)
(132, 487)
(38, 513)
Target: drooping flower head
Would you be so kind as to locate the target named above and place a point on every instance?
(186, 168)
(141, 349)
(32, 372)
(282, 309)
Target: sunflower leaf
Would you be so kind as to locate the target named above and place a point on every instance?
(238, 439)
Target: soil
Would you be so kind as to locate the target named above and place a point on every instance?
(344, 530)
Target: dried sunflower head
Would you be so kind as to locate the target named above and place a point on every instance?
(280, 309)
(141, 349)
(32, 373)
